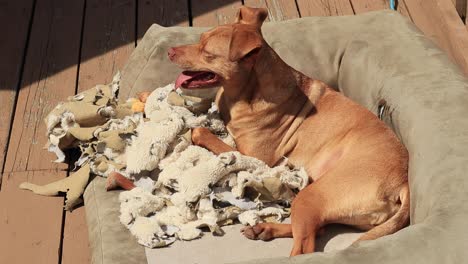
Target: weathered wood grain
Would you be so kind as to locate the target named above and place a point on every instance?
(439, 20)
(210, 13)
(363, 6)
(49, 77)
(163, 12)
(75, 245)
(14, 23)
(30, 225)
(325, 8)
(403, 9)
(108, 40)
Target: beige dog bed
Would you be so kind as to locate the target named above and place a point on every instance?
(378, 59)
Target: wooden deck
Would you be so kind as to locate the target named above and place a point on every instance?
(52, 49)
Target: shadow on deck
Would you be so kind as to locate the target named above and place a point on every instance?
(53, 49)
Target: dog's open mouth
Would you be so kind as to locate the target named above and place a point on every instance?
(196, 79)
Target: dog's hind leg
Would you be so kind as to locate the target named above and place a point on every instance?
(267, 231)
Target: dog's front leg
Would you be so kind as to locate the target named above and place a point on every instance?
(203, 137)
(116, 180)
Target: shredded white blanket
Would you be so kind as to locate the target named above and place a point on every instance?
(190, 187)
(181, 187)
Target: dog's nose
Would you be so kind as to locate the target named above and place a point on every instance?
(171, 52)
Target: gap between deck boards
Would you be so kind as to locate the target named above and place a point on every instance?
(38, 225)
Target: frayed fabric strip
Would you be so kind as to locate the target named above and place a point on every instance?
(181, 188)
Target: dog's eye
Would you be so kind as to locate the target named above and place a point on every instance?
(208, 56)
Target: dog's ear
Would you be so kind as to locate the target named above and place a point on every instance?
(244, 43)
(251, 16)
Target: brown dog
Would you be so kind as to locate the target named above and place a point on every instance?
(357, 165)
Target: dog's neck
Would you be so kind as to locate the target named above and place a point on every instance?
(271, 84)
(276, 98)
(273, 81)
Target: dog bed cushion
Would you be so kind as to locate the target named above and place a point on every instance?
(378, 59)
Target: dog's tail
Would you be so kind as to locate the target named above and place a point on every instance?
(399, 220)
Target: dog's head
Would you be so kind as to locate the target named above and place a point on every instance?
(225, 55)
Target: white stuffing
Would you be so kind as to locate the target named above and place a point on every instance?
(189, 232)
(181, 188)
(195, 188)
(149, 233)
(196, 181)
(253, 217)
(136, 203)
(151, 142)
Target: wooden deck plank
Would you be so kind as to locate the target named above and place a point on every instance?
(75, 246)
(403, 9)
(439, 20)
(30, 225)
(108, 40)
(163, 12)
(423, 22)
(210, 13)
(278, 10)
(325, 8)
(49, 77)
(12, 49)
(363, 6)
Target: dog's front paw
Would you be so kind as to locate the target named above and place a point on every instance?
(259, 231)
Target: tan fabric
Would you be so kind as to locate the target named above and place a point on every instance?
(110, 241)
(234, 247)
(375, 58)
(73, 186)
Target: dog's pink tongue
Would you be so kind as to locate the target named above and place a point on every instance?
(181, 79)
